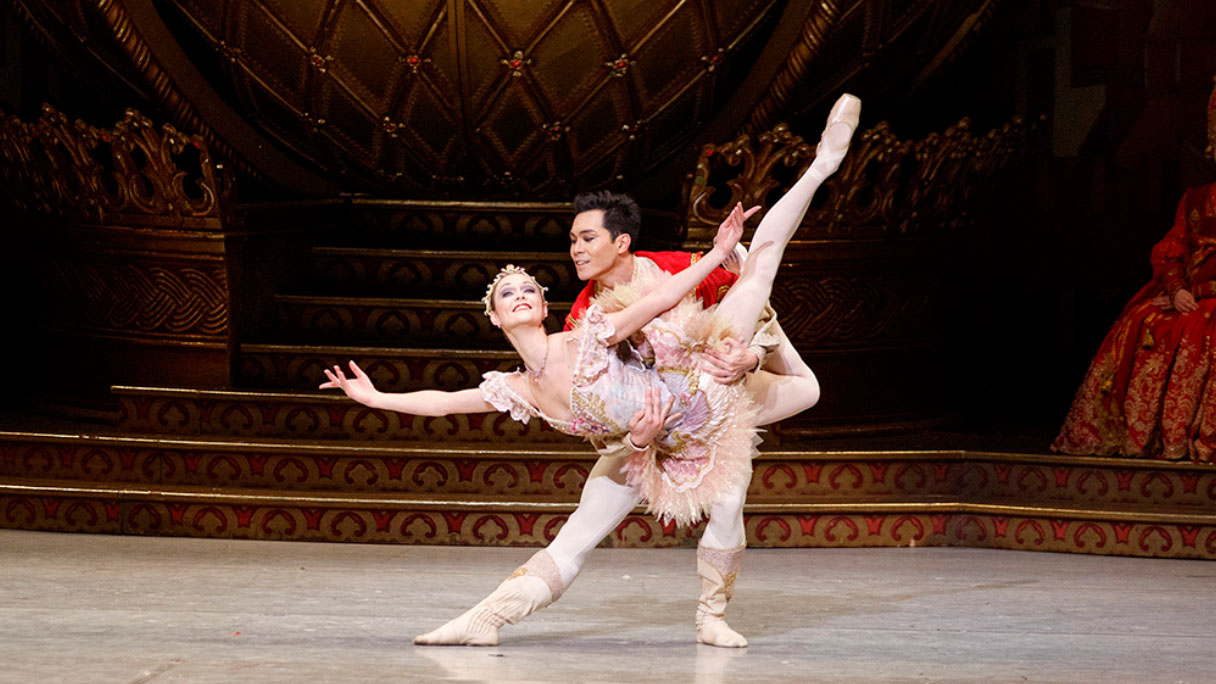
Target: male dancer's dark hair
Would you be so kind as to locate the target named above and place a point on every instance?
(621, 213)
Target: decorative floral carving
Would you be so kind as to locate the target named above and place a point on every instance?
(884, 184)
(72, 169)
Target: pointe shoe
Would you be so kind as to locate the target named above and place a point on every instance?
(717, 569)
(530, 588)
(834, 142)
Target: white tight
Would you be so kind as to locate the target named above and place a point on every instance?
(605, 502)
(785, 386)
(724, 530)
(745, 299)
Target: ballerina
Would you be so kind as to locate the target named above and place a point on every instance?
(685, 464)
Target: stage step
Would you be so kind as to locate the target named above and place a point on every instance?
(461, 275)
(556, 471)
(419, 322)
(67, 506)
(393, 369)
(319, 414)
(497, 226)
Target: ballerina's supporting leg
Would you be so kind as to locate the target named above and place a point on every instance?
(605, 501)
(742, 304)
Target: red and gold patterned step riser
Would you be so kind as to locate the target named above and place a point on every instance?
(313, 417)
(455, 525)
(557, 472)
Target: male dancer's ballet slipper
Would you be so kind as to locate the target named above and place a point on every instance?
(834, 142)
(717, 569)
(532, 587)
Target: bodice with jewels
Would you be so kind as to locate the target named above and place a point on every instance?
(607, 390)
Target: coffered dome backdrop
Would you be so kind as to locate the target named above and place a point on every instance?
(468, 98)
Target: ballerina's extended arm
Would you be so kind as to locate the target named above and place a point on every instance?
(667, 294)
(421, 403)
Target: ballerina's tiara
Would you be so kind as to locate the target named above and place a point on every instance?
(510, 269)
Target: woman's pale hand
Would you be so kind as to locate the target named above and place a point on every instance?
(1184, 301)
(359, 387)
(1162, 302)
(732, 229)
(647, 423)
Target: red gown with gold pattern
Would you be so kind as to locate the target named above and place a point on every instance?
(1150, 390)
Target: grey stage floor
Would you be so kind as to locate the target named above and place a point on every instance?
(79, 608)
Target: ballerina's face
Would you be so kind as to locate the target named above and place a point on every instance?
(518, 299)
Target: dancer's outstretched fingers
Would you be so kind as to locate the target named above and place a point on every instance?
(730, 231)
(333, 382)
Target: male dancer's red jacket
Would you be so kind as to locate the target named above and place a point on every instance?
(710, 291)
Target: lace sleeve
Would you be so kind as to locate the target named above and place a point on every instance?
(497, 393)
(593, 332)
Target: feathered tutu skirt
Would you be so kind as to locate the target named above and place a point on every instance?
(709, 450)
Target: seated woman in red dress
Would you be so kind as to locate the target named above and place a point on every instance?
(1151, 389)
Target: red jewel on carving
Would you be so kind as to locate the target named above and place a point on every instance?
(516, 63)
(318, 60)
(620, 65)
(413, 60)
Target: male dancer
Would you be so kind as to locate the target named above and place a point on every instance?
(605, 226)
(601, 240)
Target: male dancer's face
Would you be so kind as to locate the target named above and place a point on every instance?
(592, 248)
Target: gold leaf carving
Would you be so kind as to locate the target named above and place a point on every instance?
(132, 171)
(884, 185)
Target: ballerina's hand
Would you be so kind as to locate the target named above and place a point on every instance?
(732, 229)
(652, 419)
(359, 387)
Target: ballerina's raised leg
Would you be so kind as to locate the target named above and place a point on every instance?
(743, 302)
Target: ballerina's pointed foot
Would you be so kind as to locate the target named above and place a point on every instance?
(842, 122)
(463, 631)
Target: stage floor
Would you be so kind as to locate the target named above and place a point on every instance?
(132, 610)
